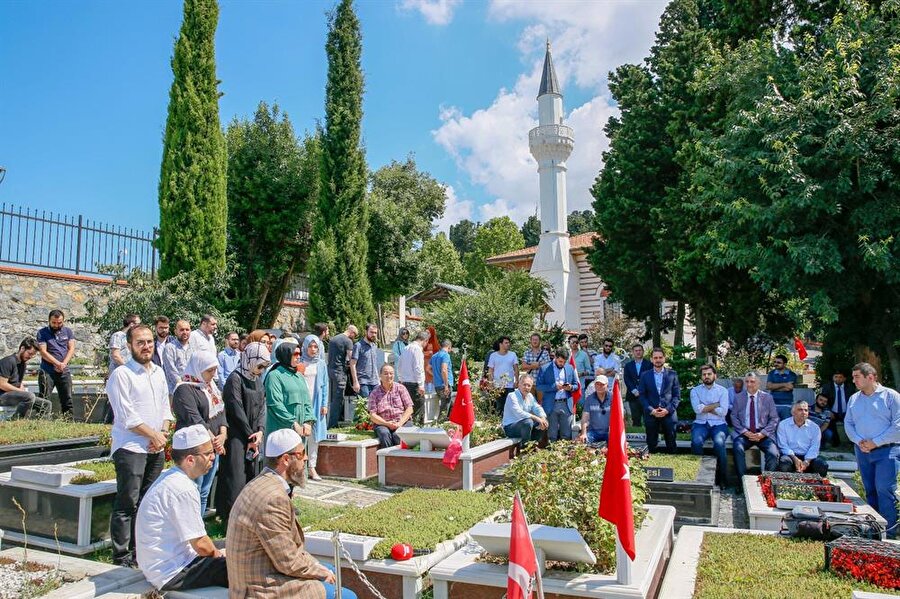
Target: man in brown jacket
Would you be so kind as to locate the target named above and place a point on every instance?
(264, 542)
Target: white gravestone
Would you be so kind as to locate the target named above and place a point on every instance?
(358, 546)
(427, 439)
(559, 544)
(48, 476)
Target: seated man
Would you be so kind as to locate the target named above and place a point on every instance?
(596, 412)
(12, 383)
(265, 543)
(390, 407)
(710, 403)
(173, 549)
(822, 416)
(754, 418)
(557, 381)
(798, 441)
(523, 417)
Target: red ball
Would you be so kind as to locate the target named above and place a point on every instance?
(401, 551)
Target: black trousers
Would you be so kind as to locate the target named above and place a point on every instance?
(833, 427)
(418, 414)
(201, 572)
(386, 437)
(62, 382)
(135, 472)
(637, 410)
(653, 425)
(335, 400)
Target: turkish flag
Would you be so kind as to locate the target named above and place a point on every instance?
(576, 395)
(615, 493)
(522, 558)
(463, 412)
(801, 349)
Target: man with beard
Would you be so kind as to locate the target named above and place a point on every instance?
(264, 542)
(176, 354)
(56, 342)
(161, 323)
(140, 403)
(173, 549)
(364, 362)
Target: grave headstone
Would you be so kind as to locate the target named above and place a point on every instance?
(48, 476)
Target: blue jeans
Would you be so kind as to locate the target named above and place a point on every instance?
(524, 430)
(878, 470)
(768, 451)
(330, 591)
(718, 432)
(364, 390)
(204, 483)
(597, 436)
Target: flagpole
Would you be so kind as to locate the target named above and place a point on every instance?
(623, 564)
(538, 581)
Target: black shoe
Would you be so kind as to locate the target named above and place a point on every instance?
(126, 562)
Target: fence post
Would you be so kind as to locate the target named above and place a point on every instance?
(78, 248)
(153, 252)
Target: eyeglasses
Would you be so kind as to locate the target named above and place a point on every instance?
(296, 453)
(207, 454)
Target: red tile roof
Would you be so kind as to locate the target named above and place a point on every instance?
(578, 243)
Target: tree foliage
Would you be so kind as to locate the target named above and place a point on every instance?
(192, 202)
(438, 262)
(496, 236)
(580, 221)
(273, 183)
(403, 203)
(339, 287)
(462, 236)
(531, 231)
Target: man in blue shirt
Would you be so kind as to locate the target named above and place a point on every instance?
(799, 439)
(596, 413)
(710, 403)
(872, 422)
(780, 382)
(442, 371)
(56, 342)
(229, 358)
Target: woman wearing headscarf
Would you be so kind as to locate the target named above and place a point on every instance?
(245, 411)
(400, 344)
(288, 403)
(196, 400)
(316, 374)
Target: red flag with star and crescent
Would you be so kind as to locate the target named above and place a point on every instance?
(615, 493)
(801, 349)
(576, 395)
(463, 412)
(523, 565)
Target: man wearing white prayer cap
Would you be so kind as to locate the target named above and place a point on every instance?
(266, 546)
(173, 550)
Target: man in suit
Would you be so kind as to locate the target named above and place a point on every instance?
(754, 418)
(557, 381)
(632, 374)
(264, 542)
(659, 392)
(838, 392)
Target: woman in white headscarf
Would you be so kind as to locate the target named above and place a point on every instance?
(196, 400)
(312, 363)
(245, 411)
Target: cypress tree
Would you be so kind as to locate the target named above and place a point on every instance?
(339, 289)
(192, 200)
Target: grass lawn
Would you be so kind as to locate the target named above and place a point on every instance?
(686, 466)
(38, 431)
(421, 517)
(764, 567)
(353, 434)
(640, 429)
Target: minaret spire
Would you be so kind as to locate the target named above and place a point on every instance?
(549, 83)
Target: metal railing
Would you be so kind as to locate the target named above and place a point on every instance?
(299, 290)
(72, 243)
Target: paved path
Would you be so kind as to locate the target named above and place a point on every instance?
(340, 492)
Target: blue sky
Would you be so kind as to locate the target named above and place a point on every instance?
(84, 90)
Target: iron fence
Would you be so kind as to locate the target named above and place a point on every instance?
(299, 290)
(72, 243)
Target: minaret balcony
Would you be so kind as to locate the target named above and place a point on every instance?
(551, 141)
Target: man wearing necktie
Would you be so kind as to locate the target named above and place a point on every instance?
(754, 418)
(838, 392)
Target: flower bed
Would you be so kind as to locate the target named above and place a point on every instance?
(876, 562)
(780, 488)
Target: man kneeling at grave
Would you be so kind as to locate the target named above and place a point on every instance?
(798, 441)
(264, 541)
(173, 549)
(596, 412)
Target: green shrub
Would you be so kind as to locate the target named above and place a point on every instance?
(13, 432)
(310, 511)
(686, 466)
(421, 517)
(766, 566)
(560, 486)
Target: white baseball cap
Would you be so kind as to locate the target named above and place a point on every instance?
(602, 378)
(281, 442)
(190, 437)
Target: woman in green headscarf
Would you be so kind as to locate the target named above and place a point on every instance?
(288, 400)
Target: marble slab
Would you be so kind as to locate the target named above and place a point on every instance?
(49, 476)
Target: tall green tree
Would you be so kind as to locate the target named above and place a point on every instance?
(273, 184)
(339, 287)
(462, 236)
(192, 202)
(496, 236)
(531, 231)
(580, 221)
(438, 262)
(403, 203)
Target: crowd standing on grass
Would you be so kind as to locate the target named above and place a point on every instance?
(231, 408)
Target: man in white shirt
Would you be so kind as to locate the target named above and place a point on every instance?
(139, 398)
(607, 362)
(204, 337)
(503, 370)
(798, 442)
(710, 403)
(173, 549)
(411, 372)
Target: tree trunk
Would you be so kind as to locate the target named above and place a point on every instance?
(894, 361)
(679, 323)
(656, 329)
(379, 314)
(700, 328)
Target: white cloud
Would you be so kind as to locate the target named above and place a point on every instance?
(435, 12)
(589, 39)
(455, 210)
